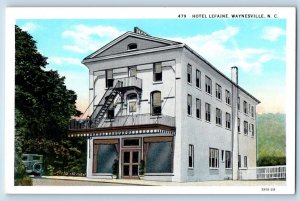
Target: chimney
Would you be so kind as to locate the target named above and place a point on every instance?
(235, 136)
(234, 74)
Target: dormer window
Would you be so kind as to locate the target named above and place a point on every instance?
(132, 46)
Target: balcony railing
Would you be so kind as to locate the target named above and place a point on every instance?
(128, 82)
(128, 120)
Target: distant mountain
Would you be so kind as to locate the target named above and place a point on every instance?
(271, 135)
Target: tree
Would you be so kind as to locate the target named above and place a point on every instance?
(43, 104)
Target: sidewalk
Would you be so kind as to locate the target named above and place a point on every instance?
(159, 183)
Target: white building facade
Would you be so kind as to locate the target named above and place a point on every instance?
(157, 102)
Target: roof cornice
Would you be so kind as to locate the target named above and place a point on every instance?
(131, 53)
(125, 35)
(214, 68)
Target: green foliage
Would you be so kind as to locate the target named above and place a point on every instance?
(271, 139)
(43, 108)
(115, 168)
(142, 168)
(21, 178)
(271, 161)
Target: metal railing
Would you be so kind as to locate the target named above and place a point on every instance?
(130, 82)
(127, 120)
(263, 173)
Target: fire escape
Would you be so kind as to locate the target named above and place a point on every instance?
(106, 119)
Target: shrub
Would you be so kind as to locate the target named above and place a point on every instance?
(142, 168)
(115, 168)
(271, 160)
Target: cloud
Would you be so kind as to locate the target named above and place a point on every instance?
(272, 33)
(89, 38)
(64, 60)
(221, 49)
(29, 26)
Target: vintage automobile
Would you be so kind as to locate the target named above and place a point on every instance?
(33, 164)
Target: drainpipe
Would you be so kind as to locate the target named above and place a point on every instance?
(235, 137)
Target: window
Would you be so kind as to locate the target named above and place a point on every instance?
(189, 73)
(198, 79)
(239, 125)
(191, 156)
(207, 112)
(131, 142)
(252, 111)
(132, 106)
(245, 161)
(156, 103)
(228, 159)
(110, 113)
(239, 103)
(218, 116)
(109, 78)
(245, 107)
(208, 84)
(132, 71)
(198, 108)
(132, 102)
(218, 92)
(189, 104)
(132, 46)
(249, 108)
(239, 161)
(228, 120)
(213, 158)
(245, 127)
(157, 72)
(253, 131)
(227, 93)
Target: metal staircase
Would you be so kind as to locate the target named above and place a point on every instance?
(104, 104)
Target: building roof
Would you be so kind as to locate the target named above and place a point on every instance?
(166, 44)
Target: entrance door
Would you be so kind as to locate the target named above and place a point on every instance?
(130, 165)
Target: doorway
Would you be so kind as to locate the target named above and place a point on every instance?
(130, 164)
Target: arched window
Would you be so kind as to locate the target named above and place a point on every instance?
(131, 96)
(132, 46)
(155, 103)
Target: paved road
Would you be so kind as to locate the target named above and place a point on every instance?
(56, 182)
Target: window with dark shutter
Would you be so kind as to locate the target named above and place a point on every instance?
(198, 79)
(109, 78)
(156, 103)
(189, 104)
(157, 72)
(189, 73)
(207, 112)
(198, 108)
(208, 84)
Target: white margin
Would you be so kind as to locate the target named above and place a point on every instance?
(12, 14)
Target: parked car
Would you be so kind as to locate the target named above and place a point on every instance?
(33, 164)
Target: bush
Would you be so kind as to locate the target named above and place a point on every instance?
(142, 168)
(49, 170)
(115, 168)
(271, 160)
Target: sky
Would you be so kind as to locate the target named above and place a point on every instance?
(256, 46)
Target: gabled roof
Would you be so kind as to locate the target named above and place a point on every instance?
(164, 42)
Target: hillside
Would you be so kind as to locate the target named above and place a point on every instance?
(271, 135)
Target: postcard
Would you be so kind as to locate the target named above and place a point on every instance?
(190, 100)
